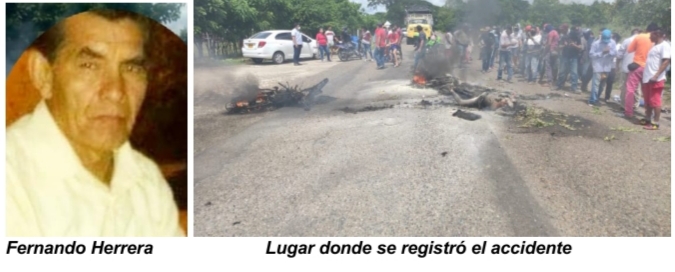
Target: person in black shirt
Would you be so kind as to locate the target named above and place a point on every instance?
(571, 50)
(346, 38)
(487, 41)
(419, 49)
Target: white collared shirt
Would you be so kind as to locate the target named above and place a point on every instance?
(50, 193)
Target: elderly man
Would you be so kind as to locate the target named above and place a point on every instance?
(71, 170)
(602, 56)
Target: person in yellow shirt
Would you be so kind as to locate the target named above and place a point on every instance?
(70, 168)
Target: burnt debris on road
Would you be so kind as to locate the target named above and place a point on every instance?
(280, 96)
(465, 94)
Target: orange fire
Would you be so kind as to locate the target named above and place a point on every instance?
(242, 104)
(419, 79)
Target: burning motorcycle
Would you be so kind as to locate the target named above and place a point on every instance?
(271, 99)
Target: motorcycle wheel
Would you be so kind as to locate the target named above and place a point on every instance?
(342, 55)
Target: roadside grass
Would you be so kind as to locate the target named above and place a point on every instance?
(662, 139)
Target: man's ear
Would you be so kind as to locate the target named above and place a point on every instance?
(40, 72)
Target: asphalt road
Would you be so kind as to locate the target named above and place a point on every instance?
(325, 172)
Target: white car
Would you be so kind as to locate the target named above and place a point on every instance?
(276, 45)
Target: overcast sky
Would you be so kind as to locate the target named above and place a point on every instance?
(364, 4)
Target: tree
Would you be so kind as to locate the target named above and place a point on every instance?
(26, 21)
(183, 35)
(547, 11)
(223, 24)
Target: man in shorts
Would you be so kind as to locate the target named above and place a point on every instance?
(654, 78)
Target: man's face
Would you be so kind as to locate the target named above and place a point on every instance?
(654, 36)
(99, 81)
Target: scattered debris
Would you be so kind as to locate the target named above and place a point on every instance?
(531, 116)
(596, 110)
(236, 223)
(466, 115)
(662, 139)
(609, 138)
(539, 96)
(444, 153)
(627, 129)
(286, 96)
(208, 203)
(368, 108)
(466, 95)
(425, 103)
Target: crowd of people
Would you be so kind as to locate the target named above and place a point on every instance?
(552, 56)
(382, 45)
(547, 55)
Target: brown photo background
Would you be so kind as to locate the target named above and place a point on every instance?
(161, 128)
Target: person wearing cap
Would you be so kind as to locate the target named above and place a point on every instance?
(602, 56)
(640, 46)
(654, 78)
(611, 76)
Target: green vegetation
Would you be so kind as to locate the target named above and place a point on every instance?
(662, 139)
(26, 21)
(221, 25)
(532, 117)
(621, 15)
(628, 129)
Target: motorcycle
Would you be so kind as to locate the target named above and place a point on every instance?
(347, 51)
(286, 96)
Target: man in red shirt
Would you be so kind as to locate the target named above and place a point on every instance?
(380, 44)
(394, 46)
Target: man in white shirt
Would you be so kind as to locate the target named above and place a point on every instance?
(70, 168)
(626, 59)
(507, 41)
(654, 77)
(296, 35)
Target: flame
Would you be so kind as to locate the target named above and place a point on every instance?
(419, 79)
(242, 104)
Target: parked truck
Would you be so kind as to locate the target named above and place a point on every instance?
(418, 15)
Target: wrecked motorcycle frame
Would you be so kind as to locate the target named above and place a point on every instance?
(280, 96)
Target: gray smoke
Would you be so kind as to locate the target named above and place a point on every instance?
(245, 88)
